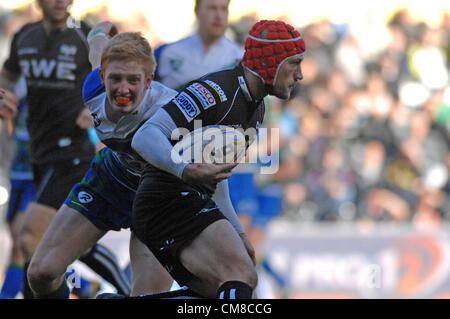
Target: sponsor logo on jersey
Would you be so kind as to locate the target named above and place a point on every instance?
(44, 69)
(66, 49)
(63, 68)
(203, 95)
(64, 141)
(187, 106)
(175, 64)
(68, 52)
(244, 88)
(206, 210)
(218, 89)
(84, 197)
(95, 119)
(23, 51)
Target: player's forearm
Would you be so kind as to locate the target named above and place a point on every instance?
(153, 145)
(96, 46)
(98, 37)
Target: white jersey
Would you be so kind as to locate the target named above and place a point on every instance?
(186, 60)
(156, 96)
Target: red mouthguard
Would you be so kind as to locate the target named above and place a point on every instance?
(122, 100)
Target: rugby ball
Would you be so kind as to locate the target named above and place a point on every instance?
(214, 144)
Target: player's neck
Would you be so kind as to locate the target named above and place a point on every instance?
(50, 25)
(255, 85)
(111, 114)
(207, 40)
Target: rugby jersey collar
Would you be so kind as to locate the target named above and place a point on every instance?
(243, 84)
(196, 36)
(140, 109)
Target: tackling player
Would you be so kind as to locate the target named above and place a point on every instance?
(102, 200)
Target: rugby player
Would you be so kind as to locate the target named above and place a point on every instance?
(174, 211)
(207, 50)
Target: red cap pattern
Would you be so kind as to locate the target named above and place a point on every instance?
(268, 44)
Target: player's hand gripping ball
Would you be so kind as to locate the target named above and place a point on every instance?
(215, 144)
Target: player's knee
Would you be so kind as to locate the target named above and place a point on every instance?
(250, 276)
(40, 274)
(247, 271)
(240, 285)
(242, 270)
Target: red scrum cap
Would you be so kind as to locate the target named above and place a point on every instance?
(268, 44)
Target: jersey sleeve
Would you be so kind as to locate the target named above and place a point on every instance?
(197, 101)
(85, 27)
(157, 54)
(93, 85)
(12, 64)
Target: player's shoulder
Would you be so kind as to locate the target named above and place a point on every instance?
(206, 92)
(186, 41)
(231, 45)
(85, 27)
(159, 88)
(80, 28)
(222, 82)
(160, 92)
(29, 26)
(27, 29)
(92, 86)
(223, 77)
(177, 47)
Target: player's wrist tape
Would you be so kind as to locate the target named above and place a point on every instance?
(95, 33)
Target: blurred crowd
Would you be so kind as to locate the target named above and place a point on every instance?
(366, 134)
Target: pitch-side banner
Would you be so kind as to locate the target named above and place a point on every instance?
(348, 261)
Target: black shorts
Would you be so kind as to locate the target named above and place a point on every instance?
(55, 180)
(168, 217)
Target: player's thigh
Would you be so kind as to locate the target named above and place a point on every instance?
(148, 275)
(16, 226)
(69, 236)
(24, 194)
(36, 221)
(217, 254)
(55, 180)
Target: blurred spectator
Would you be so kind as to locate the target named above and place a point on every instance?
(428, 59)
(349, 58)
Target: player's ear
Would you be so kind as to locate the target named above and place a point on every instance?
(102, 75)
(149, 80)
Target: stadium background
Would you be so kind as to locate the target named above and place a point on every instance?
(363, 181)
